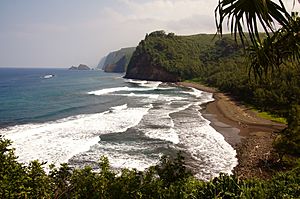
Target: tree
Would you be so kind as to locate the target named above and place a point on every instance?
(281, 46)
(250, 12)
(288, 142)
(269, 53)
(172, 170)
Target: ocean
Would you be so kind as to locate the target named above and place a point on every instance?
(60, 115)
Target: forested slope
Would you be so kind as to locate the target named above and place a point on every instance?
(221, 63)
(117, 61)
(224, 64)
(181, 57)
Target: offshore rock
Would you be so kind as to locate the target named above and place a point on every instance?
(80, 67)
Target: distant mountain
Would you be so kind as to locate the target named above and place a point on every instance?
(101, 62)
(80, 67)
(117, 61)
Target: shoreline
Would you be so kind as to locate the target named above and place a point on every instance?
(250, 135)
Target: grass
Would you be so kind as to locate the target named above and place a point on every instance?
(194, 80)
(271, 117)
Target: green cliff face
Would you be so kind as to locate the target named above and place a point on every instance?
(117, 61)
(221, 63)
(167, 57)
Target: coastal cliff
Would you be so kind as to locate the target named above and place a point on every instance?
(101, 62)
(172, 58)
(142, 67)
(117, 61)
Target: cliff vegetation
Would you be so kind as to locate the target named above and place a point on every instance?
(227, 65)
(168, 179)
(168, 57)
(116, 61)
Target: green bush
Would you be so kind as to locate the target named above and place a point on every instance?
(169, 179)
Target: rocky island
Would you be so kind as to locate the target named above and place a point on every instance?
(80, 67)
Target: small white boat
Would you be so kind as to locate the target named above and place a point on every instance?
(48, 76)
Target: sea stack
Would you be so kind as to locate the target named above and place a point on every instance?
(80, 67)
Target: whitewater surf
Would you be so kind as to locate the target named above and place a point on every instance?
(133, 123)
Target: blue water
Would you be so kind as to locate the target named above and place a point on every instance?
(26, 96)
(60, 115)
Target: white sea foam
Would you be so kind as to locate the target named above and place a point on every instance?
(119, 108)
(208, 147)
(188, 128)
(139, 162)
(116, 89)
(151, 84)
(158, 124)
(157, 97)
(120, 155)
(58, 141)
(144, 83)
(195, 92)
(170, 134)
(151, 96)
(202, 96)
(172, 118)
(133, 81)
(169, 98)
(207, 97)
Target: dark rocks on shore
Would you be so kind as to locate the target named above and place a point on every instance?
(80, 67)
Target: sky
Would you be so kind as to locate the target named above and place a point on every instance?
(62, 33)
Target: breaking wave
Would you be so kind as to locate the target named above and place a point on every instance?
(58, 141)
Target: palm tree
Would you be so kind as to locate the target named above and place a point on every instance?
(250, 13)
(282, 47)
(279, 46)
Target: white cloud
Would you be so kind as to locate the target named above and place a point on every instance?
(109, 27)
(181, 16)
(59, 37)
(114, 28)
(169, 10)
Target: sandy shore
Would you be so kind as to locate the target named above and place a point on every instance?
(250, 135)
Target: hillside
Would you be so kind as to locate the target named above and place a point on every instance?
(168, 57)
(101, 62)
(116, 61)
(216, 62)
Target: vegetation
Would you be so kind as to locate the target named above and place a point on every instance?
(281, 45)
(169, 179)
(259, 69)
(179, 55)
(271, 117)
(273, 58)
(220, 63)
(117, 61)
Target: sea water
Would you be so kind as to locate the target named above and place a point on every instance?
(59, 115)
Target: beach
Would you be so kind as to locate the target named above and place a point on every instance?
(250, 135)
(79, 116)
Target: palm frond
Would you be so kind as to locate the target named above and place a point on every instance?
(250, 13)
(280, 48)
